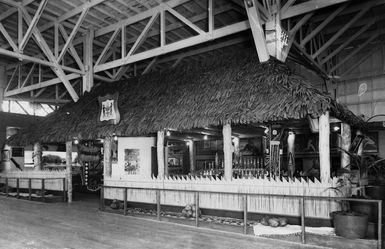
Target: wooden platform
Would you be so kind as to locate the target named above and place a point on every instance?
(38, 225)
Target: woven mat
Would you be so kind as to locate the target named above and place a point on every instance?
(260, 230)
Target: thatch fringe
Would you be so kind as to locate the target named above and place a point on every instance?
(235, 88)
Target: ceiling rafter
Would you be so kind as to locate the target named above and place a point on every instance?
(32, 24)
(147, 47)
(322, 25)
(73, 33)
(347, 42)
(351, 54)
(44, 46)
(361, 60)
(341, 31)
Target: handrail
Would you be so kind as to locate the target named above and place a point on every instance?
(43, 180)
(245, 211)
(38, 178)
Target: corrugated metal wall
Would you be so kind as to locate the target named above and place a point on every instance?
(372, 72)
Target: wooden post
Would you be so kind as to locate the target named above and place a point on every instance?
(196, 195)
(69, 169)
(43, 189)
(88, 78)
(361, 147)
(346, 141)
(107, 156)
(192, 156)
(158, 204)
(303, 231)
(37, 156)
(291, 153)
(6, 186)
(244, 214)
(166, 151)
(101, 204)
(17, 188)
(125, 201)
(228, 154)
(29, 189)
(236, 148)
(160, 153)
(324, 147)
(3, 85)
(64, 189)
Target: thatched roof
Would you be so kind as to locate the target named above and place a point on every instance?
(235, 88)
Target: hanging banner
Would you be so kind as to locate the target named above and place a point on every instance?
(109, 108)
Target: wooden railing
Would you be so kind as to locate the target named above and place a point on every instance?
(30, 187)
(269, 187)
(245, 197)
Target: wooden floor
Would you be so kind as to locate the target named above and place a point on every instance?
(26, 224)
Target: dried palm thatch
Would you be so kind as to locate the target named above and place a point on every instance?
(235, 88)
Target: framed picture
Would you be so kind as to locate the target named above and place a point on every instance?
(131, 161)
(5, 155)
(356, 143)
(371, 143)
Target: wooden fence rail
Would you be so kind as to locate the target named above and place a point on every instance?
(245, 197)
(275, 201)
(34, 183)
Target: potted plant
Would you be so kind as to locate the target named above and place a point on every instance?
(353, 221)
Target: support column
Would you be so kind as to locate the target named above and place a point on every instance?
(166, 151)
(107, 145)
(160, 153)
(37, 154)
(257, 30)
(346, 141)
(88, 78)
(291, 153)
(69, 169)
(236, 148)
(273, 28)
(3, 85)
(228, 154)
(361, 147)
(192, 156)
(324, 147)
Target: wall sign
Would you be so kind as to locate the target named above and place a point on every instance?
(109, 108)
(362, 89)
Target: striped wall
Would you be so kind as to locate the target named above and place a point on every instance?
(260, 204)
(36, 183)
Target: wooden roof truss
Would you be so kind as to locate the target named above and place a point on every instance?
(54, 51)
